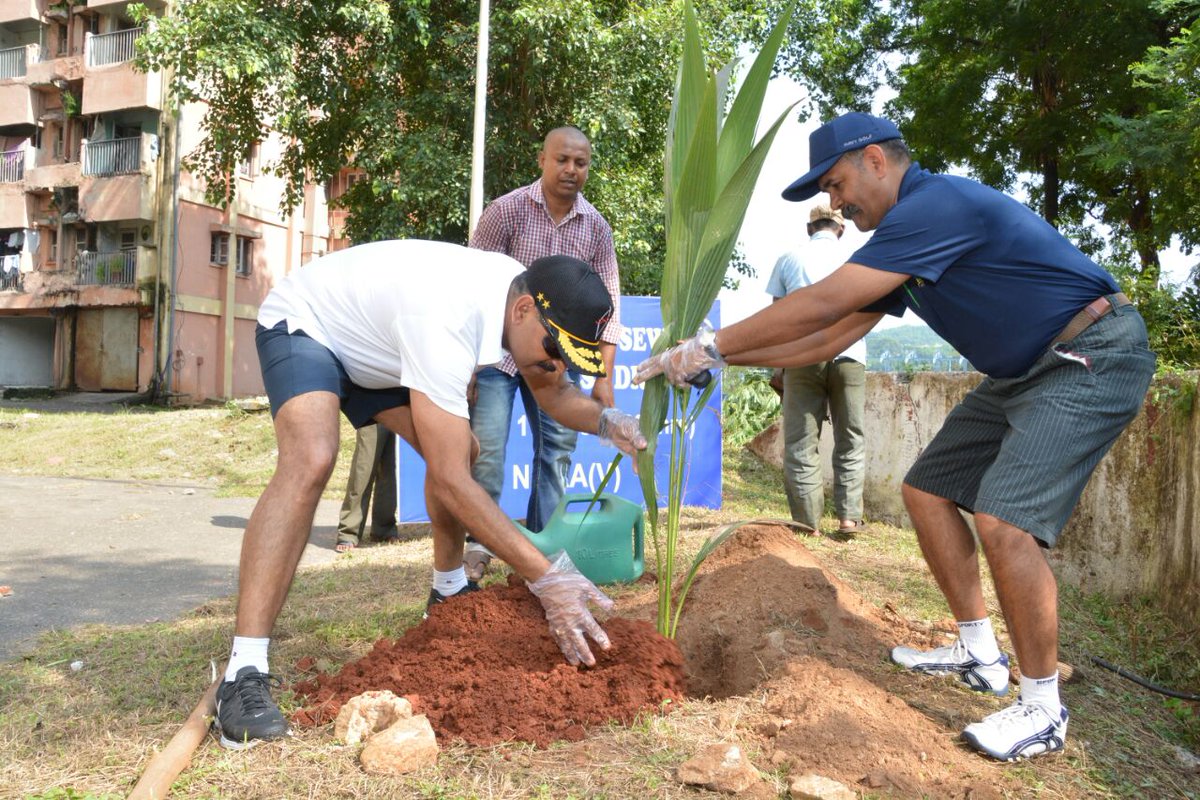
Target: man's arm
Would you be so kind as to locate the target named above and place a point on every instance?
(802, 313)
(570, 407)
(605, 265)
(824, 345)
(493, 230)
(563, 400)
(602, 390)
(807, 310)
(444, 441)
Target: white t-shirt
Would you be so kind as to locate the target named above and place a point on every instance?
(798, 268)
(419, 314)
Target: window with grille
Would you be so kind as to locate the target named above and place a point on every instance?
(219, 252)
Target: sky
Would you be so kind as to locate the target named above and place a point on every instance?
(774, 225)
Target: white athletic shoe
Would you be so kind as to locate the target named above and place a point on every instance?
(955, 659)
(1022, 730)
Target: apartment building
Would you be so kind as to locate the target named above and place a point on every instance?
(115, 273)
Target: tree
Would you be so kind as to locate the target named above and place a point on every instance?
(389, 86)
(1008, 89)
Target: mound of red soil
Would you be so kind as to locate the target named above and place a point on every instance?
(484, 670)
(765, 618)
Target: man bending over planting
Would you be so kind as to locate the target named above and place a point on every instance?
(392, 333)
(1066, 366)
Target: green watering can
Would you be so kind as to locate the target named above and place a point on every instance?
(605, 543)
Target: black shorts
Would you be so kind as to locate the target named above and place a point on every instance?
(295, 363)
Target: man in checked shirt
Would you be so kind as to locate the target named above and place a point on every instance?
(548, 217)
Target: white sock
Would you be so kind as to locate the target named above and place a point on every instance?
(247, 651)
(448, 583)
(980, 640)
(1043, 691)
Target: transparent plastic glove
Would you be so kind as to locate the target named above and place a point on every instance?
(685, 363)
(623, 431)
(564, 593)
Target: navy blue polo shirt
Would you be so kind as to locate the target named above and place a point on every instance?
(991, 277)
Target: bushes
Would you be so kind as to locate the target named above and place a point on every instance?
(748, 405)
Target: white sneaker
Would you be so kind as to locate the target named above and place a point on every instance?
(955, 659)
(1022, 730)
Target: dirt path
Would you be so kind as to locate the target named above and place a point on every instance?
(88, 551)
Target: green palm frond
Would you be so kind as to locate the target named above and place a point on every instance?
(711, 165)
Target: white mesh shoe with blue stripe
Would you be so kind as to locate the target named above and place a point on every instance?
(956, 660)
(1022, 730)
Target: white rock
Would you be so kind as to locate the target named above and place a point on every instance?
(720, 767)
(406, 746)
(818, 787)
(368, 713)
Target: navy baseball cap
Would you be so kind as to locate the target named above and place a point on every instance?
(834, 139)
(574, 306)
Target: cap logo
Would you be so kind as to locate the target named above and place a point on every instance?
(542, 301)
(602, 321)
(864, 138)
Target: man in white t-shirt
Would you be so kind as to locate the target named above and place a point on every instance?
(392, 333)
(836, 387)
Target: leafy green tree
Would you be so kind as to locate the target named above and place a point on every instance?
(1009, 89)
(1091, 110)
(389, 86)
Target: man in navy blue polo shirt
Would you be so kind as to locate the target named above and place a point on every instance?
(1066, 367)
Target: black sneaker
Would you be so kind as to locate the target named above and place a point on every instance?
(436, 598)
(246, 714)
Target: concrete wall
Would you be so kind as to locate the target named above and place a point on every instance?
(1136, 530)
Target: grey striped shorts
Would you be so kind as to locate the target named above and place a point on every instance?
(1022, 449)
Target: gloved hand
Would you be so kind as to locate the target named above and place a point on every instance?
(564, 593)
(685, 361)
(623, 431)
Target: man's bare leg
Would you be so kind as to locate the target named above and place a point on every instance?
(306, 432)
(306, 429)
(949, 549)
(1027, 592)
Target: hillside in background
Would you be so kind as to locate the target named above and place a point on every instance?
(909, 348)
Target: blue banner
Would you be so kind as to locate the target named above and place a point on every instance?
(642, 321)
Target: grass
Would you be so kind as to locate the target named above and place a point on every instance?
(223, 447)
(88, 734)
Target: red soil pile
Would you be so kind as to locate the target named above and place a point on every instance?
(484, 670)
(767, 619)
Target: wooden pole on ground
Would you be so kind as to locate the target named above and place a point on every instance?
(173, 759)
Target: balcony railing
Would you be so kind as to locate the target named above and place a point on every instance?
(12, 166)
(113, 156)
(11, 277)
(109, 269)
(112, 48)
(13, 62)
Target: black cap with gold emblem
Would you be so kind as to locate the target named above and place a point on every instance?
(575, 307)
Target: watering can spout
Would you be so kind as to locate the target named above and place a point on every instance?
(605, 542)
